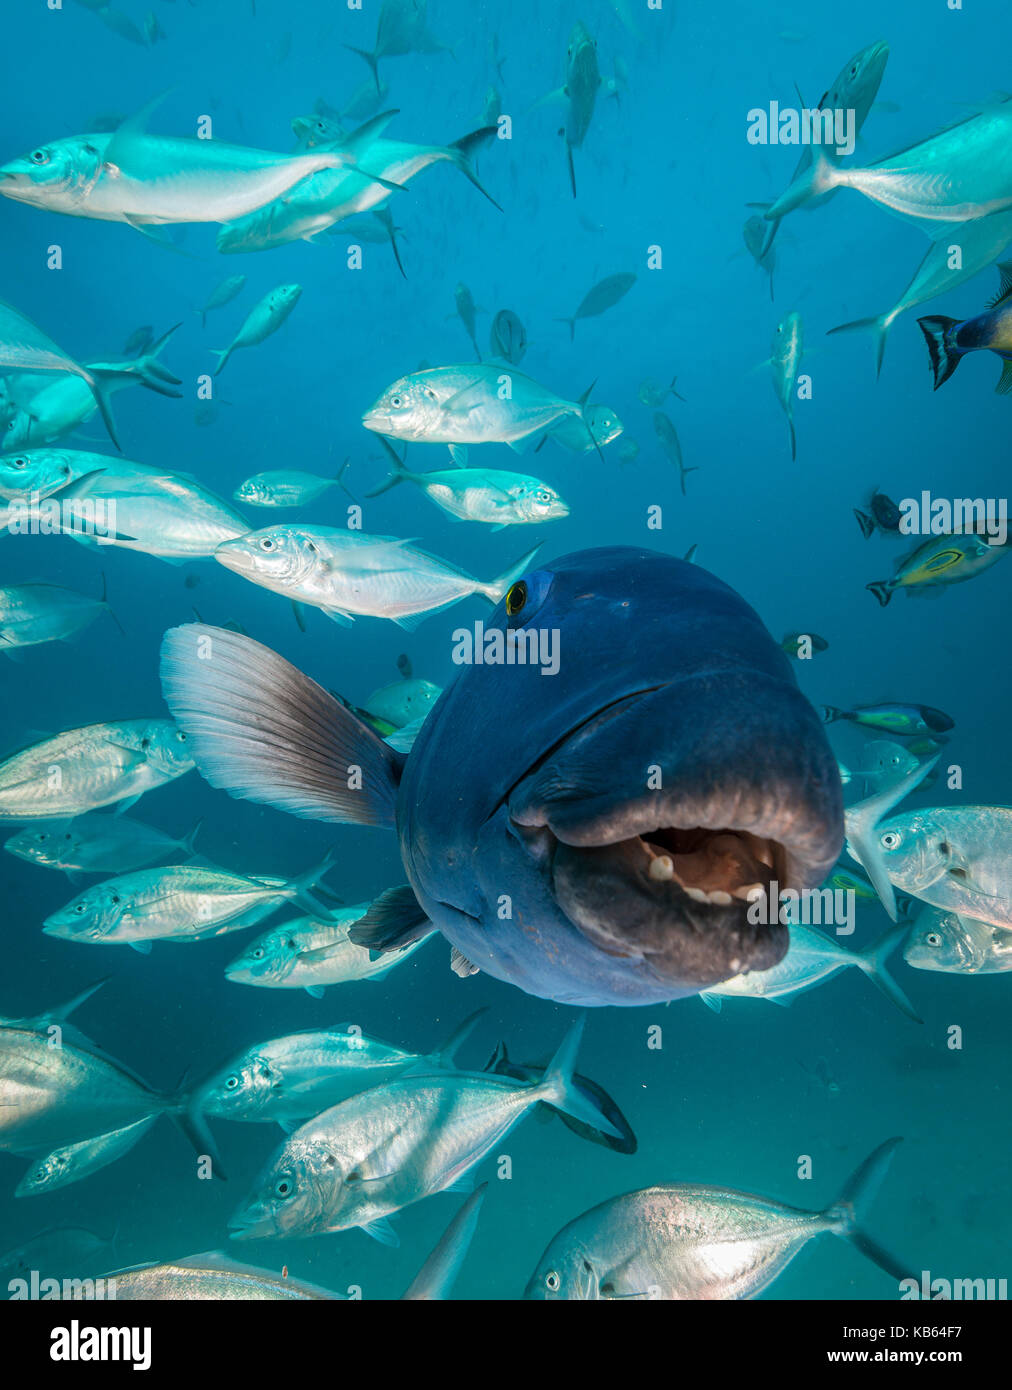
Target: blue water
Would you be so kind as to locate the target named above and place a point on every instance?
(733, 1099)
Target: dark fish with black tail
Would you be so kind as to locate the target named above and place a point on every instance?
(689, 1241)
(938, 562)
(882, 515)
(508, 338)
(583, 80)
(671, 445)
(599, 866)
(605, 295)
(625, 1142)
(949, 340)
(908, 721)
(465, 312)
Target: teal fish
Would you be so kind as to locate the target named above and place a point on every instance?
(604, 296)
(31, 614)
(957, 945)
(98, 843)
(583, 80)
(221, 295)
(283, 487)
(785, 360)
(938, 562)
(668, 436)
(263, 319)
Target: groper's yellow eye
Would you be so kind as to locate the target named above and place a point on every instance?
(516, 598)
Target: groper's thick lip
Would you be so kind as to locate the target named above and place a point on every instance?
(694, 869)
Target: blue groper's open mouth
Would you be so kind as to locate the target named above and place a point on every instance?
(684, 876)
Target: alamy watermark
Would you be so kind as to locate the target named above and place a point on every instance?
(524, 646)
(956, 516)
(806, 907)
(786, 125)
(35, 515)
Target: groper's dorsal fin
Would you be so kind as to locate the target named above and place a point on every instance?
(1005, 285)
(261, 730)
(395, 919)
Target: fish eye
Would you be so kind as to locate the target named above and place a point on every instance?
(39, 156)
(115, 898)
(43, 836)
(180, 737)
(933, 939)
(552, 1281)
(231, 1083)
(944, 847)
(67, 835)
(145, 743)
(258, 953)
(266, 543)
(80, 908)
(19, 463)
(516, 599)
(396, 402)
(284, 1187)
(892, 839)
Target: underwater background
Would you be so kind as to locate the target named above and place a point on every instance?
(731, 1098)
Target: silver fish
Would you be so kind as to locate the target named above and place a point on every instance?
(89, 767)
(302, 1074)
(221, 295)
(605, 295)
(346, 573)
(959, 945)
(283, 487)
(958, 858)
(397, 1143)
(263, 319)
(185, 902)
(98, 843)
(583, 79)
(31, 614)
(483, 494)
(687, 1241)
(72, 1162)
(312, 952)
(785, 360)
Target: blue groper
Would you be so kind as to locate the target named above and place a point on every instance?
(592, 828)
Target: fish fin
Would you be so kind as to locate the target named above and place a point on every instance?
(572, 167)
(878, 324)
(496, 588)
(263, 731)
(408, 622)
(794, 440)
(462, 154)
(223, 354)
(944, 354)
(300, 886)
(866, 524)
(461, 966)
(881, 590)
(190, 1120)
(872, 961)
(1005, 284)
(457, 403)
(861, 820)
(814, 179)
(445, 1057)
(437, 1275)
(459, 454)
(61, 1012)
(189, 841)
(142, 947)
(830, 714)
(119, 148)
(850, 1208)
(288, 1126)
(572, 327)
(395, 919)
(712, 1001)
(559, 1089)
(1004, 387)
(403, 740)
(383, 1231)
(371, 58)
(159, 237)
(74, 876)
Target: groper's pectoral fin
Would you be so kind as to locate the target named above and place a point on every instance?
(261, 730)
(394, 920)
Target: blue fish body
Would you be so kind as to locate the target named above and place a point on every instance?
(531, 805)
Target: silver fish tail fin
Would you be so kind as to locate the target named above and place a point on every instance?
(445, 1058)
(101, 384)
(813, 180)
(222, 354)
(263, 731)
(873, 962)
(879, 324)
(942, 349)
(373, 61)
(189, 841)
(437, 1275)
(462, 152)
(848, 1212)
(496, 588)
(861, 820)
(398, 472)
(307, 889)
(559, 1089)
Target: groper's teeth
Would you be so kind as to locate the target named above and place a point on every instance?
(662, 869)
(721, 898)
(748, 892)
(697, 895)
